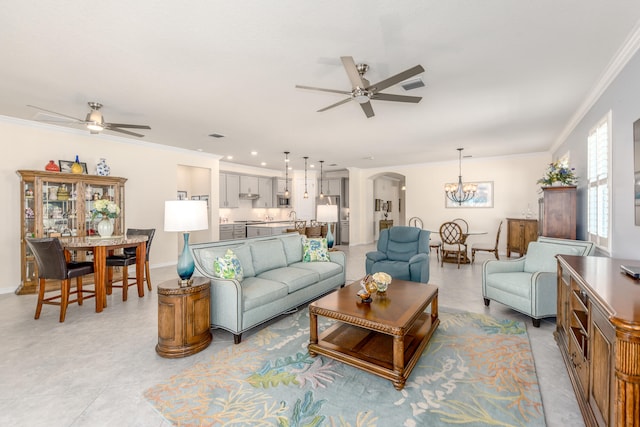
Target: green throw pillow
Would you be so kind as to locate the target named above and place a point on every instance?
(315, 250)
(228, 267)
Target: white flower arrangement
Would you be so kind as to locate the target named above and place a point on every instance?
(382, 278)
(105, 208)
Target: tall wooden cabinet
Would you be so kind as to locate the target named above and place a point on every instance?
(519, 233)
(598, 332)
(55, 204)
(558, 212)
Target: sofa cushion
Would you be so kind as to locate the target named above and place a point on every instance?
(208, 256)
(257, 292)
(315, 249)
(228, 267)
(292, 247)
(294, 278)
(517, 283)
(267, 255)
(324, 269)
(541, 256)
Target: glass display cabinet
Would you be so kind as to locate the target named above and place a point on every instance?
(55, 204)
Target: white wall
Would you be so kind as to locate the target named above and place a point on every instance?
(151, 170)
(514, 180)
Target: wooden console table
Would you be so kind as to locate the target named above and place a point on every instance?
(183, 318)
(598, 332)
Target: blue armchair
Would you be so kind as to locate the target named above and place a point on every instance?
(529, 284)
(403, 252)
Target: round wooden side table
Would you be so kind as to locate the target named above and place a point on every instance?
(183, 318)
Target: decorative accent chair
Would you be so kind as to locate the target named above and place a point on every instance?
(53, 265)
(529, 284)
(452, 243)
(402, 252)
(486, 247)
(127, 258)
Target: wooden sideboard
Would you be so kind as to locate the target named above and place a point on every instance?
(519, 233)
(598, 332)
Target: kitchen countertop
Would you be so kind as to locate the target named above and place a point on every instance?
(273, 224)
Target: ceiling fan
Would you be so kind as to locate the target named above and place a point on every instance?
(95, 122)
(362, 91)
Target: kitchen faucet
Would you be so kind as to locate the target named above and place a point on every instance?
(294, 215)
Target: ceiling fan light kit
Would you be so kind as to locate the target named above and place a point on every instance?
(363, 92)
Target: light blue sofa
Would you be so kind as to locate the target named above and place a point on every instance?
(276, 280)
(529, 284)
(402, 252)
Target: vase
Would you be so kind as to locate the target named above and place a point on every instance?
(382, 287)
(102, 168)
(52, 167)
(330, 239)
(76, 167)
(105, 227)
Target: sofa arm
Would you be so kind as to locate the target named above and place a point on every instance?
(544, 294)
(503, 266)
(226, 304)
(338, 257)
(376, 256)
(419, 268)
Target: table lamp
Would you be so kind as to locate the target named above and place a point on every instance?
(328, 214)
(185, 216)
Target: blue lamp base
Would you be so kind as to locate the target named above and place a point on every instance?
(330, 239)
(186, 265)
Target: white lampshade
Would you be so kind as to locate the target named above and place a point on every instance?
(185, 215)
(327, 213)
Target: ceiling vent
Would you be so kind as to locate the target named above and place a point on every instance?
(216, 135)
(413, 84)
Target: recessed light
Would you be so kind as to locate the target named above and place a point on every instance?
(229, 157)
(263, 164)
(254, 153)
(312, 166)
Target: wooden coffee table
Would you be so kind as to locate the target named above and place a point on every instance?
(385, 337)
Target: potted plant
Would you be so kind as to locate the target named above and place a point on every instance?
(558, 174)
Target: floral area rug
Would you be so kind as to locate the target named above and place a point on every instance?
(476, 371)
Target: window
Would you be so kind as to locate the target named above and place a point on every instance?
(599, 148)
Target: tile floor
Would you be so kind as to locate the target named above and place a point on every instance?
(92, 370)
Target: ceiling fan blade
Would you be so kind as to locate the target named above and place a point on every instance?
(368, 109)
(344, 92)
(344, 101)
(56, 113)
(123, 125)
(124, 131)
(352, 72)
(397, 98)
(393, 80)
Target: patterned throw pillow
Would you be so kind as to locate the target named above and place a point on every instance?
(315, 250)
(228, 267)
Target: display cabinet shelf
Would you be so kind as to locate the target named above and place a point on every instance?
(55, 204)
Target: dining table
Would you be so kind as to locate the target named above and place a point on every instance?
(463, 241)
(101, 248)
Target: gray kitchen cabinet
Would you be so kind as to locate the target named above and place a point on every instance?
(229, 190)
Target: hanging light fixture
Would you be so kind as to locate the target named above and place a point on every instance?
(306, 194)
(286, 174)
(321, 193)
(460, 192)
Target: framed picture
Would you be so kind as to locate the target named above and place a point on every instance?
(65, 166)
(482, 199)
(182, 195)
(195, 197)
(378, 204)
(206, 199)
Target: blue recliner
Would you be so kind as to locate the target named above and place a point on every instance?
(403, 253)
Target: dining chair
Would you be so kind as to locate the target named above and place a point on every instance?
(433, 243)
(300, 225)
(127, 258)
(452, 242)
(464, 226)
(486, 247)
(52, 265)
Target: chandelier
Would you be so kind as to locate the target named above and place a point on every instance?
(460, 192)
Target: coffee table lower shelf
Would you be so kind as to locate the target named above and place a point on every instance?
(373, 351)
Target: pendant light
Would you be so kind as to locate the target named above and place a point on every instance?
(286, 174)
(321, 192)
(460, 192)
(306, 194)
